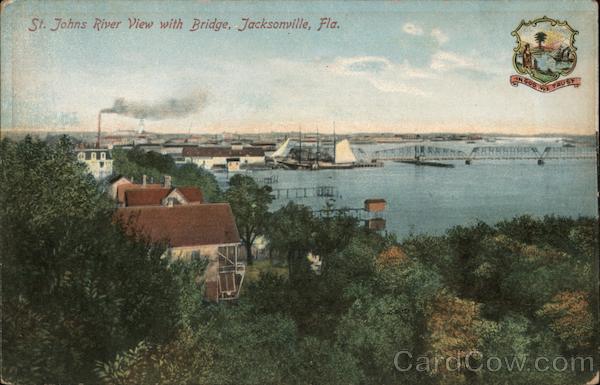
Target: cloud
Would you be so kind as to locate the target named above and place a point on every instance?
(412, 29)
(443, 61)
(382, 74)
(446, 61)
(361, 65)
(438, 35)
(370, 65)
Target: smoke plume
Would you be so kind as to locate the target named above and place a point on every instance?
(162, 109)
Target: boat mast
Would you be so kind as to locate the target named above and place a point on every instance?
(300, 137)
(317, 145)
(334, 141)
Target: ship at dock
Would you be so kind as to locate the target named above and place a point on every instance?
(318, 155)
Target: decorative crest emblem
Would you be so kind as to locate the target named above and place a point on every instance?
(545, 51)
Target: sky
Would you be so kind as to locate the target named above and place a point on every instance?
(401, 66)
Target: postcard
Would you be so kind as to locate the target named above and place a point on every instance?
(299, 192)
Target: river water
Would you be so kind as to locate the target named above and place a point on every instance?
(430, 199)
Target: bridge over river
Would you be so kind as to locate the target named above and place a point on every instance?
(510, 152)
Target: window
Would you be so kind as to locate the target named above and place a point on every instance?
(101, 164)
(102, 155)
(93, 156)
(81, 156)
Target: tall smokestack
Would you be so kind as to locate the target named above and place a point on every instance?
(141, 128)
(98, 137)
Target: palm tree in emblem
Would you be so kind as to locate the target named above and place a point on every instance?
(540, 37)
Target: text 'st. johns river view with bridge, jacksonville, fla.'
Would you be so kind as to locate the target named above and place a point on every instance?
(432, 199)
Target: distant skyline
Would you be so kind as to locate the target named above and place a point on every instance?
(403, 67)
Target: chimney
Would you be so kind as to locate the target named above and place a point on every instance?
(98, 135)
(144, 177)
(167, 181)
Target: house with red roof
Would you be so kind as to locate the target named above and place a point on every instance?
(193, 231)
(163, 196)
(128, 193)
(119, 185)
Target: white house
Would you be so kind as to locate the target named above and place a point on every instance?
(98, 161)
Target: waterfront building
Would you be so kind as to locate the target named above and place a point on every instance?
(374, 209)
(216, 157)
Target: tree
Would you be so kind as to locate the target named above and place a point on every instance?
(514, 340)
(571, 319)
(391, 257)
(321, 362)
(335, 232)
(373, 330)
(136, 162)
(191, 175)
(72, 281)
(454, 327)
(540, 37)
(291, 235)
(250, 205)
(187, 359)
(250, 348)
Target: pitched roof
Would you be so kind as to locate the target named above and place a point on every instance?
(192, 194)
(154, 196)
(132, 186)
(116, 178)
(211, 152)
(145, 196)
(193, 225)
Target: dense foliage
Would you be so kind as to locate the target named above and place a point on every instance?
(250, 205)
(136, 162)
(81, 303)
(74, 289)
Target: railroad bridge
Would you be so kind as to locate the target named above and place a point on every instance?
(429, 152)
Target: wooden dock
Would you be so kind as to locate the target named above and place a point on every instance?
(305, 192)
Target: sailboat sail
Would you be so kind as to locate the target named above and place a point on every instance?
(343, 152)
(283, 150)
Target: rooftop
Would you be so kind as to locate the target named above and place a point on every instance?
(154, 196)
(182, 226)
(88, 153)
(375, 200)
(210, 152)
(132, 186)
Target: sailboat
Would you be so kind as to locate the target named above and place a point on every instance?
(343, 156)
(282, 155)
(283, 150)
